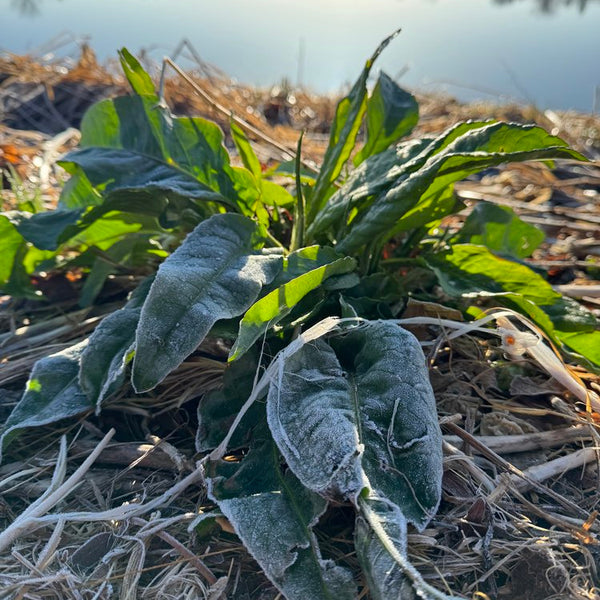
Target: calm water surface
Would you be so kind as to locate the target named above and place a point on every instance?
(540, 51)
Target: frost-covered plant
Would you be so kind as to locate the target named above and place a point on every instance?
(346, 411)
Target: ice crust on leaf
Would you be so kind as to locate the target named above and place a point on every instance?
(273, 514)
(215, 274)
(360, 413)
(52, 393)
(103, 362)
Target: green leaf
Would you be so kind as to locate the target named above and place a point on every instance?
(269, 310)
(379, 173)
(52, 393)
(273, 194)
(380, 541)
(476, 149)
(18, 258)
(215, 274)
(429, 211)
(467, 268)
(273, 515)
(138, 78)
(78, 192)
(103, 362)
(344, 129)
(247, 154)
(44, 229)
(126, 253)
(360, 413)
(133, 143)
(10, 242)
(219, 408)
(288, 169)
(472, 270)
(102, 227)
(501, 230)
(117, 170)
(584, 343)
(392, 113)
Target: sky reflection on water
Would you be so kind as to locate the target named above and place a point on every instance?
(540, 51)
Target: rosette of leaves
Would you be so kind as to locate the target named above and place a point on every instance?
(347, 414)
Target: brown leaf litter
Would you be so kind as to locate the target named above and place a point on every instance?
(521, 481)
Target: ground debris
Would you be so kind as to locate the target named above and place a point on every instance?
(494, 537)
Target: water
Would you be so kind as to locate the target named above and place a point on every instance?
(545, 52)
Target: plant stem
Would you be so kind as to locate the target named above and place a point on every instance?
(298, 227)
(273, 239)
(404, 262)
(408, 570)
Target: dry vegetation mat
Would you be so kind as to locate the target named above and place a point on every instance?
(240, 362)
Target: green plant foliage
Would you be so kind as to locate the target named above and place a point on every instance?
(474, 270)
(346, 413)
(392, 113)
(133, 144)
(302, 272)
(10, 242)
(489, 145)
(501, 230)
(245, 150)
(380, 540)
(43, 230)
(217, 273)
(273, 514)
(139, 80)
(344, 129)
(219, 408)
(103, 362)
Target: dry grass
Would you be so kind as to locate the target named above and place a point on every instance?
(517, 518)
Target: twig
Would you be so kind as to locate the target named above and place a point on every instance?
(510, 468)
(27, 520)
(128, 511)
(539, 473)
(182, 550)
(478, 474)
(512, 444)
(287, 152)
(132, 454)
(579, 291)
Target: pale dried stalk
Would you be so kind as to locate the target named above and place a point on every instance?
(128, 511)
(478, 474)
(181, 549)
(579, 291)
(516, 343)
(510, 444)
(553, 468)
(28, 519)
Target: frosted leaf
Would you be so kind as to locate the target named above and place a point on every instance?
(273, 515)
(215, 274)
(103, 362)
(52, 393)
(360, 413)
(380, 542)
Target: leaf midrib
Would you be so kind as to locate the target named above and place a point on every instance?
(296, 509)
(353, 388)
(160, 161)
